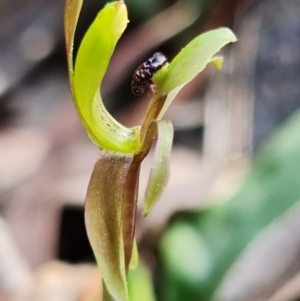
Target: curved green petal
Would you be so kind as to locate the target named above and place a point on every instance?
(216, 61)
(191, 60)
(160, 170)
(92, 61)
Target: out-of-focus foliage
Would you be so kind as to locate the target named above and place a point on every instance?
(140, 284)
(147, 8)
(198, 249)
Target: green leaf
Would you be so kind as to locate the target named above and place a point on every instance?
(198, 263)
(91, 64)
(160, 170)
(269, 191)
(140, 284)
(191, 60)
(104, 220)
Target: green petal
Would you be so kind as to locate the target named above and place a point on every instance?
(103, 217)
(91, 64)
(192, 59)
(160, 170)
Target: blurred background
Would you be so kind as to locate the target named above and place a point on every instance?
(227, 227)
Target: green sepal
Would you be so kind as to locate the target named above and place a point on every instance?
(191, 60)
(160, 171)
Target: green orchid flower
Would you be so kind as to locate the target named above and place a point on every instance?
(111, 200)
